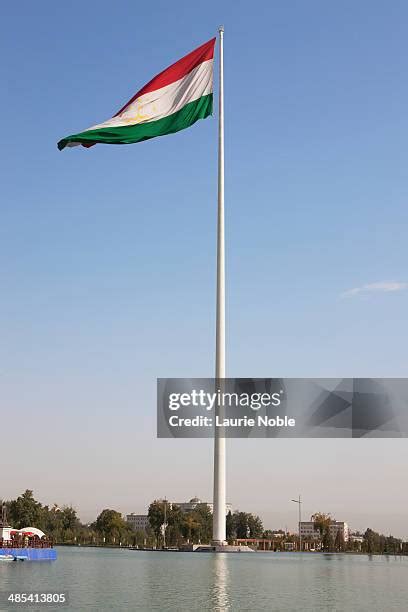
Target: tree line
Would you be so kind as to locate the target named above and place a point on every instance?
(168, 524)
(171, 526)
(62, 525)
(174, 527)
(372, 542)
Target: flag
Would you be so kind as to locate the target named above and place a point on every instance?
(172, 101)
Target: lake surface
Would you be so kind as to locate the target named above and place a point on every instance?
(114, 579)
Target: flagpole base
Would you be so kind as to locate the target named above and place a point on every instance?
(230, 548)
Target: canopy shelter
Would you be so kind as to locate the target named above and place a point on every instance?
(30, 532)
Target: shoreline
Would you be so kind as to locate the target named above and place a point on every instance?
(180, 550)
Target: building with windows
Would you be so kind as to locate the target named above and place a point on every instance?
(357, 541)
(354, 537)
(339, 526)
(308, 530)
(138, 522)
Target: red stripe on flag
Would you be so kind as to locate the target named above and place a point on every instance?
(176, 71)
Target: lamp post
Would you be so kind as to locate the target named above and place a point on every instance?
(165, 523)
(299, 502)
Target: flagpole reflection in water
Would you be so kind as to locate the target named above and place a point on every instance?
(220, 594)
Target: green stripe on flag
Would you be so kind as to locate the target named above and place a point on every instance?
(127, 134)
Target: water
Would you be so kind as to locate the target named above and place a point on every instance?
(113, 579)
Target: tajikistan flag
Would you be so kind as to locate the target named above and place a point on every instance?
(173, 100)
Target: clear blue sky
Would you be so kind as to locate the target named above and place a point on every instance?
(108, 255)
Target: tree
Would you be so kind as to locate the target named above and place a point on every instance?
(255, 526)
(339, 541)
(174, 520)
(157, 512)
(203, 516)
(156, 517)
(373, 542)
(321, 521)
(59, 524)
(376, 543)
(190, 526)
(246, 525)
(328, 542)
(139, 538)
(230, 526)
(25, 511)
(68, 518)
(112, 527)
(63, 524)
(241, 524)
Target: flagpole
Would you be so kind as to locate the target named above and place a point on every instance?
(219, 499)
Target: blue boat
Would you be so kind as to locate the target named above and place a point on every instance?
(10, 557)
(28, 553)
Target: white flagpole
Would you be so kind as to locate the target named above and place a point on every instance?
(219, 531)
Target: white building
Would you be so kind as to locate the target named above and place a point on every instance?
(356, 538)
(139, 522)
(186, 506)
(194, 502)
(308, 530)
(336, 526)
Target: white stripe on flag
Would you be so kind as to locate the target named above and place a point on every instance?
(166, 100)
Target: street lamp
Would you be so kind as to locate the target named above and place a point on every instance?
(165, 523)
(299, 502)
